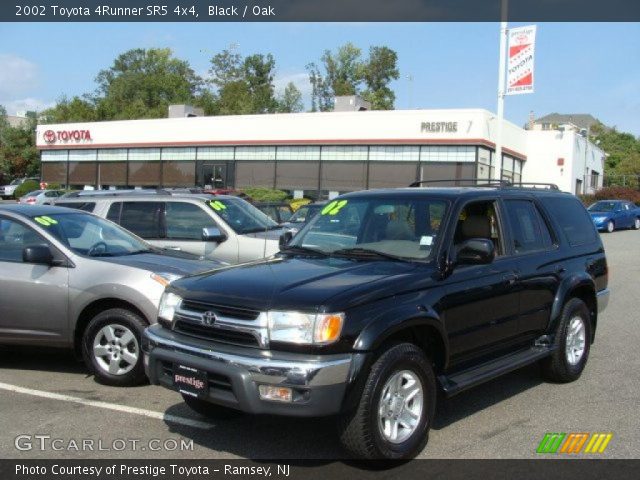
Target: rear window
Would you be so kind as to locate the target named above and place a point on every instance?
(574, 221)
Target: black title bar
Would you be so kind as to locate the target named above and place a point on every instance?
(318, 10)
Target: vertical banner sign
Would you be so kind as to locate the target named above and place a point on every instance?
(522, 41)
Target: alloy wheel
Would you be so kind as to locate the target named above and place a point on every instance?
(116, 349)
(401, 406)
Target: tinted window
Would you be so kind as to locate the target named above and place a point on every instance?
(185, 221)
(86, 206)
(573, 219)
(14, 237)
(529, 232)
(114, 212)
(142, 218)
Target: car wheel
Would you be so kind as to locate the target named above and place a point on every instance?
(610, 226)
(111, 347)
(394, 415)
(210, 410)
(572, 342)
(636, 224)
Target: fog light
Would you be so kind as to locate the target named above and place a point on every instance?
(276, 394)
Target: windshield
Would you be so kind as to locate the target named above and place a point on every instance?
(17, 181)
(603, 207)
(300, 215)
(241, 216)
(35, 193)
(91, 236)
(405, 228)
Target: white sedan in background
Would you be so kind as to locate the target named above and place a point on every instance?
(41, 197)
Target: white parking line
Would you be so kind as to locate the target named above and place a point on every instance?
(109, 406)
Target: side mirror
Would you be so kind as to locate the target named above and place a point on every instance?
(285, 238)
(213, 234)
(38, 254)
(476, 251)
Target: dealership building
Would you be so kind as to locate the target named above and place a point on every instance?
(312, 154)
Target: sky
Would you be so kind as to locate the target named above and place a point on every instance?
(580, 67)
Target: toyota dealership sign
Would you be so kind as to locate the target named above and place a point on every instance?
(66, 136)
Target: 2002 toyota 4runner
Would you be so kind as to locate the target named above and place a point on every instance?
(383, 299)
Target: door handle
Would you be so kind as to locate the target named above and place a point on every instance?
(560, 269)
(510, 278)
(173, 247)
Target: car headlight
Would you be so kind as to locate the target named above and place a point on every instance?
(165, 279)
(305, 328)
(169, 302)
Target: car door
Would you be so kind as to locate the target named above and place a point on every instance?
(540, 264)
(33, 298)
(480, 305)
(184, 222)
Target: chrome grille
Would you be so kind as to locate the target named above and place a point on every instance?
(233, 325)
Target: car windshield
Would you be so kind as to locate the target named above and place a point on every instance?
(35, 193)
(384, 228)
(90, 235)
(603, 207)
(241, 216)
(300, 215)
(17, 181)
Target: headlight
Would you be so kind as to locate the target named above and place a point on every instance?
(165, 279)
(169, 302)
(305, 328)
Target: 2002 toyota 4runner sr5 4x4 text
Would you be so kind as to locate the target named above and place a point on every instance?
(383, 299)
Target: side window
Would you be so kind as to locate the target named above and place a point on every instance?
(114, 212)
(85, 206)
(142, 218)
(285, 214)
(574, 221)
(479, 220)
(528, 229)
(14, 237)
(185, 221)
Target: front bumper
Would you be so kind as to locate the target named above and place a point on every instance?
(234, 373)
(602, 297)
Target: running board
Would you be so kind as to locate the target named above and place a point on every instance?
(459, 381)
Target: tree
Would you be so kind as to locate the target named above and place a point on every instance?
(379, 70)
(344, 73)
(18, 154)
(142, 83)
(75, 110)
(226, 67)
(291, 100)
(258, 74)
(623, 154)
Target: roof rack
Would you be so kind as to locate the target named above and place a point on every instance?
(477, 182)
(116, 193)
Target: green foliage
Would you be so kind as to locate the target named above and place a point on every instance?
(26, 187)
(18, 154)
(261, 194)
(75, 110)
(623, 152)
(613, 193)
(291, 100)
(346, 73)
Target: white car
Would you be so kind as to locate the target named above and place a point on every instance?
(7, 191)
(41, 197)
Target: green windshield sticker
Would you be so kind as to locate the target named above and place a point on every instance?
(49, 219)
(217, 205)
(44, 221)
(334, 207)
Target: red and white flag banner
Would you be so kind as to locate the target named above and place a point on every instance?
(522, 42)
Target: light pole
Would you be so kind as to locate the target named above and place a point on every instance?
(497, 174)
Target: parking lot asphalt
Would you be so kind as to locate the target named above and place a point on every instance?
(51, 394)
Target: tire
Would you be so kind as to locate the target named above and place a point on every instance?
(116, 333)
(610, 226)
(563, 366)
(362, 431)
(636, 224)
(210, 410)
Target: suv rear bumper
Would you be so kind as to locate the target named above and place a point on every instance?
(235, 373)
(602, 298)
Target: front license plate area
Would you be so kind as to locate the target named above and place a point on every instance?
(190, 381)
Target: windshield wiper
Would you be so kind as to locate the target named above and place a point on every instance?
(138, 252)
(368, 253)
(303, 250)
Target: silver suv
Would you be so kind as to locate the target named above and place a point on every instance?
(72, 279)
(220, 227)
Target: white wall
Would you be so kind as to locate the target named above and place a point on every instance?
(544, 148)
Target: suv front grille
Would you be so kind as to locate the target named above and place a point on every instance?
(233, 325)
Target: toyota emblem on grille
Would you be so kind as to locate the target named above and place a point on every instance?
(209, 318)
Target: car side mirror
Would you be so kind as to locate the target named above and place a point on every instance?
(285, 238)
(476, 251)
(38, 254)
(213, 234)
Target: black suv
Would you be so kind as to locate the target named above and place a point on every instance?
(383, 299)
